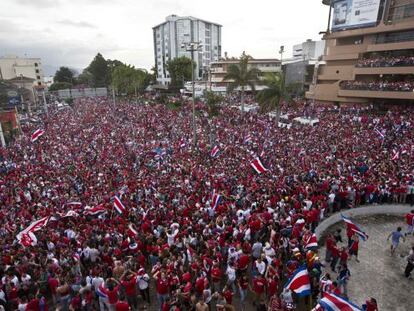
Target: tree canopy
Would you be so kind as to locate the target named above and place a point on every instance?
(242, 75)
(270, 97)
(64, 74)
(100, 71)
(126, 79)
(180, 71)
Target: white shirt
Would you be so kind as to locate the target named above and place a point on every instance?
(171, 237)
(231, 273)
(261, 267)
(97, 281)
(143, 281)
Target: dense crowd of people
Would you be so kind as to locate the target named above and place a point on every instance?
(386, 61)
(175, 240)
(382, 85)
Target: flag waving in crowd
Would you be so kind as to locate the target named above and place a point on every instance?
(332, 302)
(37, 134)
(258, 166)
(215, 200)
(300, 282)
(119, 207)
(26, 237)
(215, 151)
(354, 228)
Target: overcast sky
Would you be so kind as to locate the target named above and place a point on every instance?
(71, 32)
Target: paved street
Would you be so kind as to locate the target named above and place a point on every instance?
(378, 274)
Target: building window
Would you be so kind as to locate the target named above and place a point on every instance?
(39, 83)
(35, 64)
(38, 77)
(37, 70)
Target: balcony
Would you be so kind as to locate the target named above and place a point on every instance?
(383, 70)
(376, 94)
(390, 46)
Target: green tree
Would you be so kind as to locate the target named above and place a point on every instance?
(212, 101)
(269, 98)
(129, 80)
(242, 75)
(60, 86)
(63, 74)
(180, 71)
(85, 78)
(99, 71)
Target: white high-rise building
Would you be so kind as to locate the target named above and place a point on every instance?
(176, 31)
(308, 50)
(12, 67)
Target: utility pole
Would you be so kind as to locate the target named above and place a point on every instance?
(45, 103)
(192, 47)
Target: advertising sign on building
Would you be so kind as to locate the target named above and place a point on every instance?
(354, 13)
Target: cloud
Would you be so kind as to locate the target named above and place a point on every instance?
(80, 24)
(39, 3)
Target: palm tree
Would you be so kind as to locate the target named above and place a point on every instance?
(269, 98)
(241, 76)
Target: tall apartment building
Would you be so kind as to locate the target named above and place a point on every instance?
(176, 31)
(13, 67)
(369, 54)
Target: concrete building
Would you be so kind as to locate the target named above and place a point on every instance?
(308, 50)
(299, 69)
(176, 31)
(12, 67)
(218, 69)
(369, 54)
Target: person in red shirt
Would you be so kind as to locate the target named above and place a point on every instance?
(112, 288)
(409, 219)
(371, 305)
(343, 256)
(243, 285)
(243, 263)
(162, 288)
(122, 305)
(129, 282)
(259, 287)
(216, 276)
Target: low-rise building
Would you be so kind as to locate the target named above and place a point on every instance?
(12, 67)
(218, 70)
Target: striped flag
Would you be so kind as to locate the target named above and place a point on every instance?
(119, 207)
(99, 209)
(395, 155)
(353, 227)
(74, 205)
(247, 138)
(215, 200)
(300, 282)
(311, 242)
(214, 152)
(26, 237)
(132, 232)
(37, 134)
(258, 166)
(332, 302)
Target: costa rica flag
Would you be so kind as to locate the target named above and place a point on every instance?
(37, 134)
(300, 282)
(214, 152)
(216, 199)
(119, 207)
(332, 302)
(353, 227)
(258, 166)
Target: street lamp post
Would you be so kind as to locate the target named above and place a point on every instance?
(193, 47)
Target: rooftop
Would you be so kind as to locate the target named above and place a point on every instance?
(174, 17)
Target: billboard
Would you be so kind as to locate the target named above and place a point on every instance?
(354, 13)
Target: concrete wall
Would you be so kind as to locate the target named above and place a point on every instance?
(362, 211)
